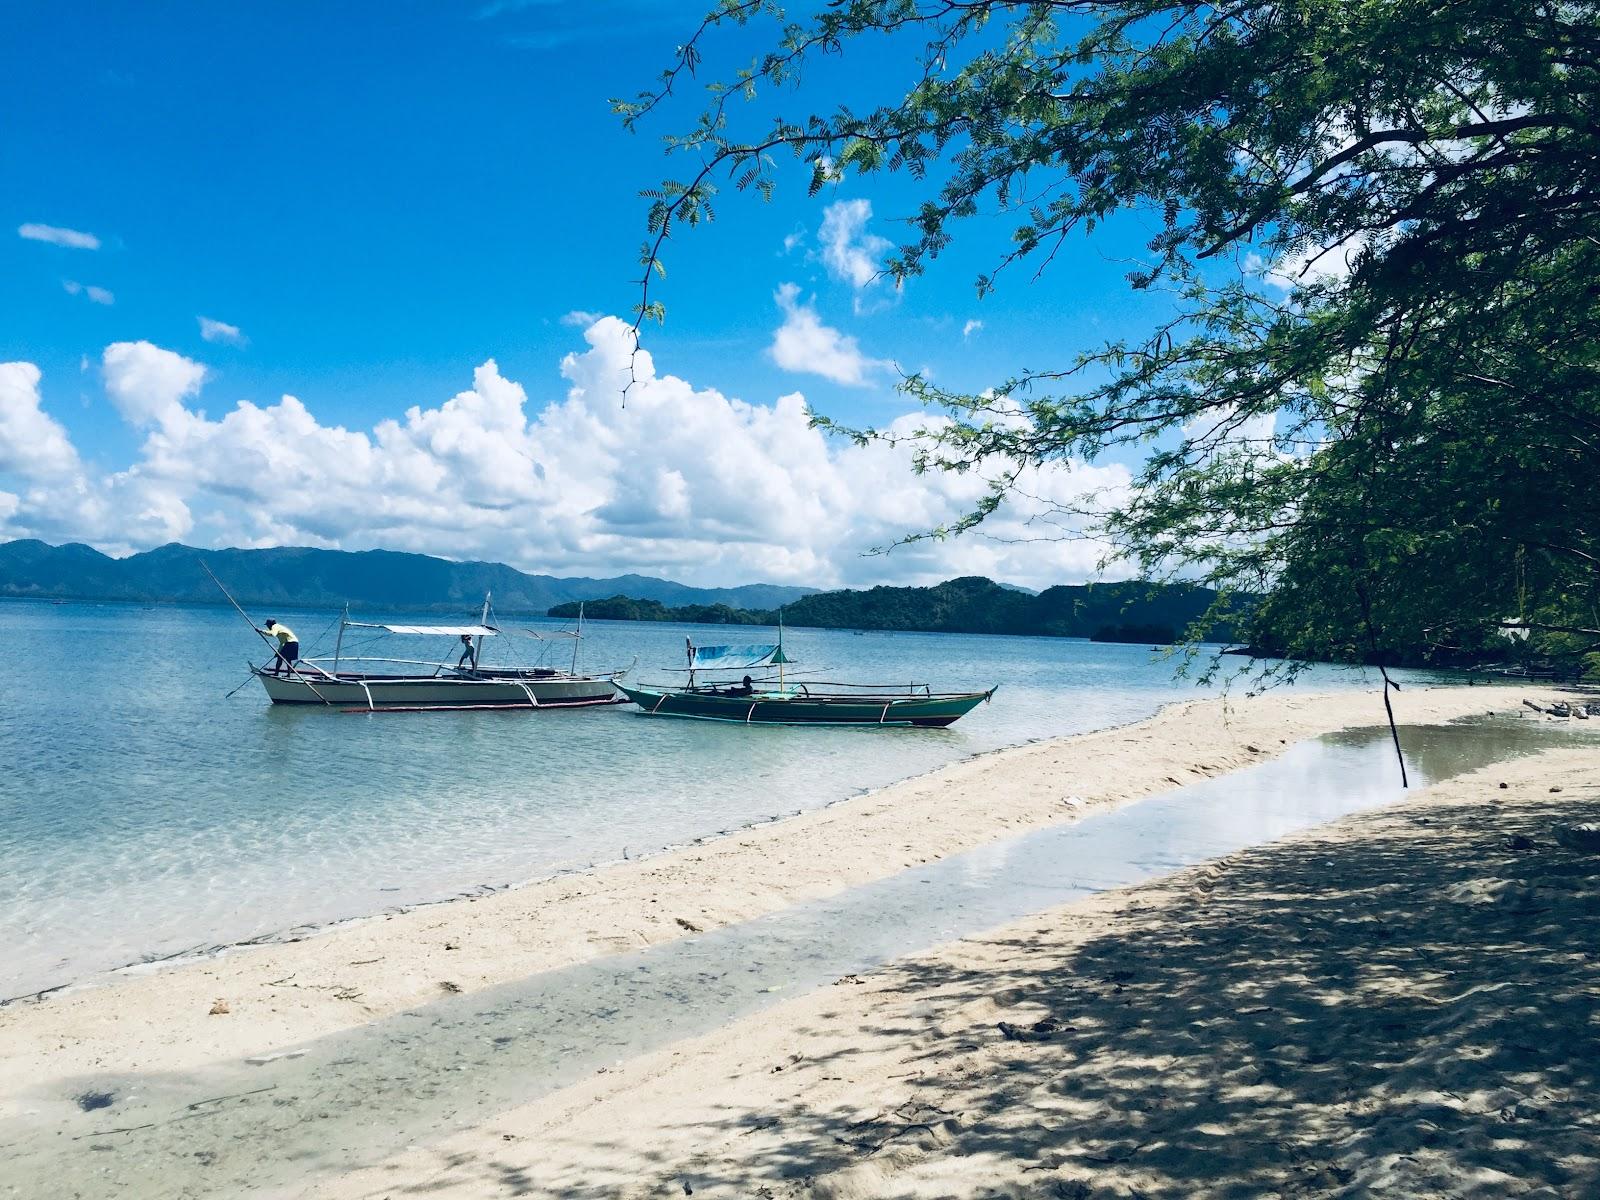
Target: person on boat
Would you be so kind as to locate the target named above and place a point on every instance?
(288, 647)
(746, 687)
(469, 654)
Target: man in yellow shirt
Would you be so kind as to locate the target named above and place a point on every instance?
(288, 647)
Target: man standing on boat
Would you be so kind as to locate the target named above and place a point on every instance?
(288, 647)
(469, 654)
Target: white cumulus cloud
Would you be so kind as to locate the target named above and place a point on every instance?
(73, 239)
(46, 491)
(148, 384)
(683, 482)
(803, 343)
(848, 250)
(33, 444)
(221, 331)
(970, 328)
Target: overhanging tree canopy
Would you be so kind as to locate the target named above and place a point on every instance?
(1398, 443)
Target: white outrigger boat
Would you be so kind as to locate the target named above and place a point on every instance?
(422, 684)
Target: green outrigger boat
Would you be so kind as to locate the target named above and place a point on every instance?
(778, 700)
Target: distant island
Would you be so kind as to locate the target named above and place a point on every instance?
(1151, 634)
(301, 577)
(630, 608)
(383, 580)
(1137, 612)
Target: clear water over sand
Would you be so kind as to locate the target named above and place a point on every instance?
(143, 815)
(343, 1101)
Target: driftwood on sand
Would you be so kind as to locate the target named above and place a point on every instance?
(1581, 709)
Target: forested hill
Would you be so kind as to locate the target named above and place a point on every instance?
(969, 605)
(302, 577)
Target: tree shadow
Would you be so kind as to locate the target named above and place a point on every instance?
(1405, 1014)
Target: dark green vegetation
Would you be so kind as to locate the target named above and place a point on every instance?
(969, 605)
(626, 608)
(1395, 437)
(1155, 635)
(372, 579)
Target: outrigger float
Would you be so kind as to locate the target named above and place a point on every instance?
(774, 699)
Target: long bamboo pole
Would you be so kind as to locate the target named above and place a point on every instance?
(293, 670)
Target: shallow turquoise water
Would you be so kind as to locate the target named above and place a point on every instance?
(143, 815)
(274, 1127)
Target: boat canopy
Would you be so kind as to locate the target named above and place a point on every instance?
(731, 658)
(476, 631)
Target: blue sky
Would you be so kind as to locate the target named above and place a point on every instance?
(369, 202)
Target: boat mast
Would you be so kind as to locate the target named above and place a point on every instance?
(577, 639)
(338, 644)
(781, 659)
(477, 649)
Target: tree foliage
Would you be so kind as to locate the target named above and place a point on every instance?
(1395, 433)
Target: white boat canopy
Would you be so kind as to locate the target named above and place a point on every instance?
(476, 631)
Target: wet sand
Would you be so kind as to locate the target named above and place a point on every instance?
(279, 996)
(282, 994)
(1402, 1003)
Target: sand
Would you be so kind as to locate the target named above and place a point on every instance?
(282, 994)
(1404, 1003)
(278, 996)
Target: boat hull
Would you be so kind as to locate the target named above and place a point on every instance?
(392, 692)
(800, 709)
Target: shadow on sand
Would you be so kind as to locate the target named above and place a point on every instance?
(1413, 1011)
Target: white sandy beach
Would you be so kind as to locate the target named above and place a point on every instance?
(353, 973)
(1399, 1004)
(815, 1075)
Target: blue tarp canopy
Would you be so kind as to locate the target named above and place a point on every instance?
(733, 658)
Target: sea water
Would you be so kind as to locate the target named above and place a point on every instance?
(270, 1127)
(146, 814)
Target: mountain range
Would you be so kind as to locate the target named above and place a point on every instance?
(302, 577)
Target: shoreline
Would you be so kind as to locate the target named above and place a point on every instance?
(1426, 1028)
(295, 934)
(358, 971)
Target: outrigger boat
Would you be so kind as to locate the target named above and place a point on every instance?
(774, 699)
(437, 685)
